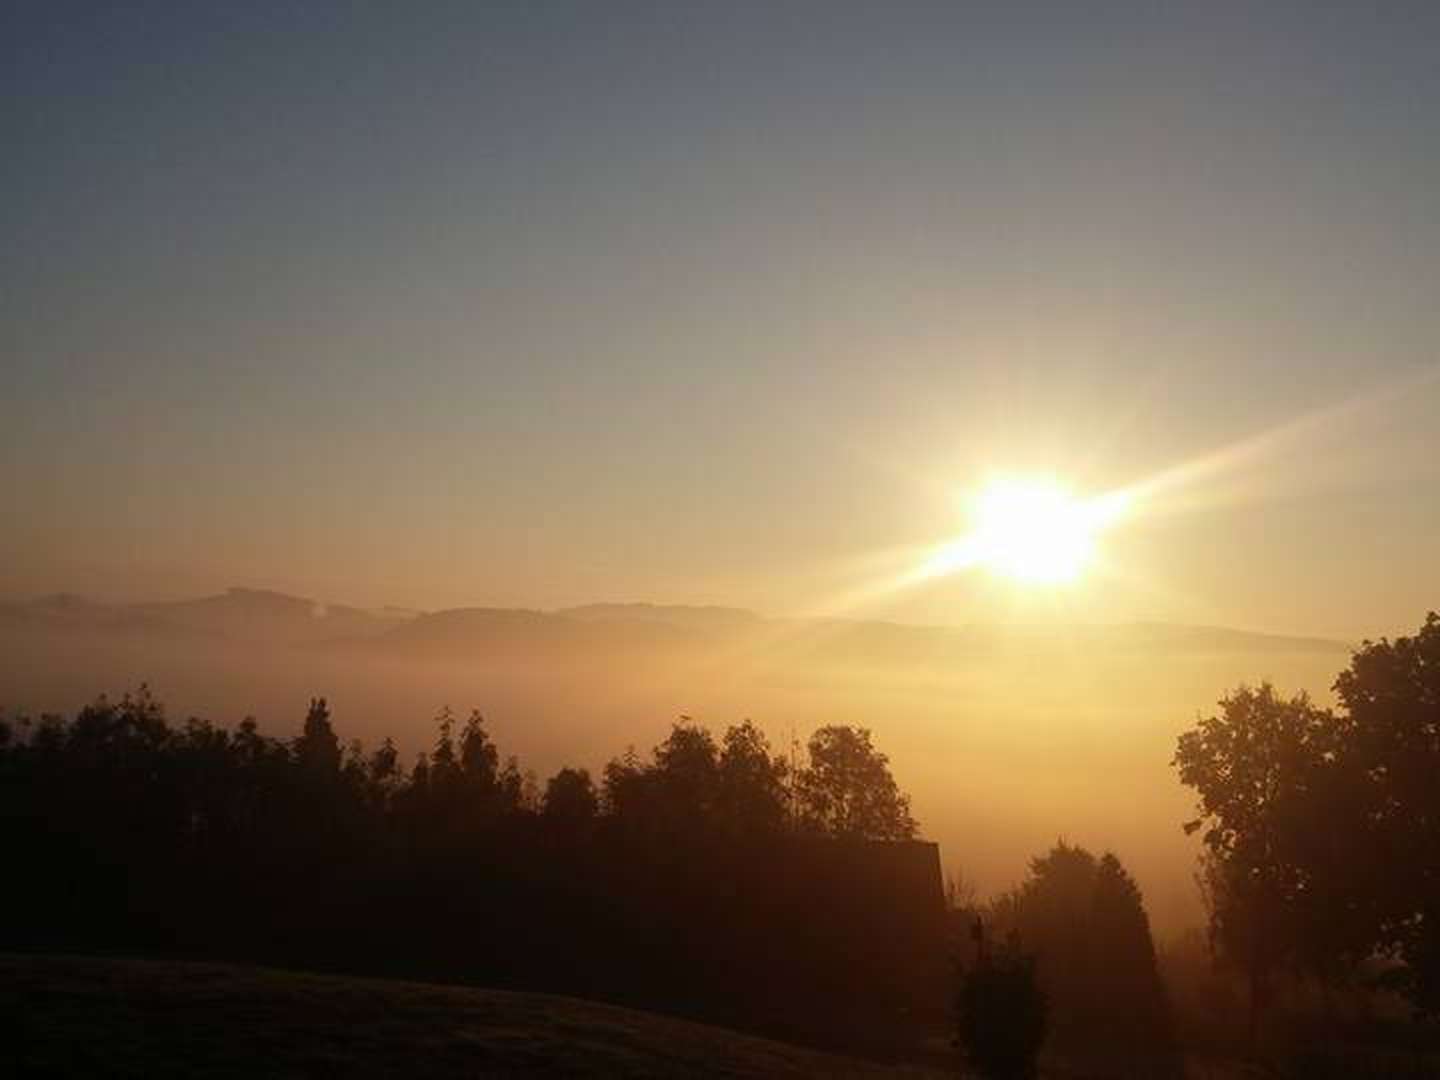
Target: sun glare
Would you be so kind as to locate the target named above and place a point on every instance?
(1030, 530)
(1033, 531)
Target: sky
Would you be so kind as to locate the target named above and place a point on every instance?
(541, 304)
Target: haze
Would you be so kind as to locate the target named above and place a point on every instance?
(1005, 738)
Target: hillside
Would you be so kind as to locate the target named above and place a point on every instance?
(120, 1018)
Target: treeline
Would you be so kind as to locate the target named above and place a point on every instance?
(212, 783)
(1322, 827)
(711, 877)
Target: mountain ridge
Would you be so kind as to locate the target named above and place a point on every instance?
(259, 614)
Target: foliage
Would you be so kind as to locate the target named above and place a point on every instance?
(751, 790)
(847, 791)
(1269, 799)
(127, 832)
(318, 748)
(1391, 694)
(1322, 829)
(739, 786)
(1084, 920)
(571, 802)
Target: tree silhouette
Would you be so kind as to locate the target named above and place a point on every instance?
(846, 789)
(1136, 1011)
(686, 889)
(479, 758)
(1391, 749)
(750, 796)
(382, 774)
(570, 802)
(1084, 920)
(444, 763)
(515, 789)
(1261, 771)
(623, 787)
(685, 776)
(318, 748)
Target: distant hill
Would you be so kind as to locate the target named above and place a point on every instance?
(881, 642)
(258, 613)
(482, 632)
(252, 615)
(138, 1018)
(709, 618)
(238, 614)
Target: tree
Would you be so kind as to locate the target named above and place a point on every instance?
(1084, 920)
(846, 789)
(479, 757)
(1260, 769)
(318, 748)
(514, 790)
(1391, 694)
(382, 772)
(675, 792)
(686, 774)
(444, 765)
(750, 796)
(624, 788)
(570, 802)
(1136, 1013)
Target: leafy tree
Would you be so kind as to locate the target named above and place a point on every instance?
(1260, 769)
(675, 792)
(1084, 920)
(751, 795)
(686, 773)
(846, 789)
(115, 736)
(570, 802)
(1391, 694)
(624, 787)
(739, 787)
(1135, 1011)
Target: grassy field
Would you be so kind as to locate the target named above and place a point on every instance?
(73, 1016)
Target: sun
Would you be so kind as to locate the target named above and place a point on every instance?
(1031, 530)
(1036, 531)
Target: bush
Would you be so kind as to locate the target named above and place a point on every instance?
(1001, 1013)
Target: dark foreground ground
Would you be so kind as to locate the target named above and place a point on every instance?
(108, 1017)
(75, 1016)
